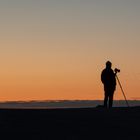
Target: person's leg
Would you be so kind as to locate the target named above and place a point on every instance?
(105, 99)
(110, 100)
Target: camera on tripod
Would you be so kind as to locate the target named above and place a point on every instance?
(116, 70)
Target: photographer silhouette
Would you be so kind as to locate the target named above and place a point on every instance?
(109, 81)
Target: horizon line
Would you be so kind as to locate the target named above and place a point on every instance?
(22, 101)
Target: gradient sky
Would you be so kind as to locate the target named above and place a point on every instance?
(56, 49)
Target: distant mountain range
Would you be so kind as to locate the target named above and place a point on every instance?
(64, 104)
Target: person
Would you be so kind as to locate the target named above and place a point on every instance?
(108, 78)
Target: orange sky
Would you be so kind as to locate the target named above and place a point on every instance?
(57, 50)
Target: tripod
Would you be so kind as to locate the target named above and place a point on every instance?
(122, 90)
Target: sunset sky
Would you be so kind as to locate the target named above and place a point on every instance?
(56, 49)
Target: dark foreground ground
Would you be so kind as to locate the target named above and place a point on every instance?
(70, 124)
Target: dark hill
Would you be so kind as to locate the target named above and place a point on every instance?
(70, 124)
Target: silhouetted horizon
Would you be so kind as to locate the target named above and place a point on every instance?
(64, 103)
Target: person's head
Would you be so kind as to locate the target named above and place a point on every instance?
(108, 65)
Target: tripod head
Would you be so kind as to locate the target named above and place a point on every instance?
(116, 70)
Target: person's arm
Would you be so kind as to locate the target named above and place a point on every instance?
(102, 77)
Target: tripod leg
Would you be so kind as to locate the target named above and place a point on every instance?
(122, 90)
